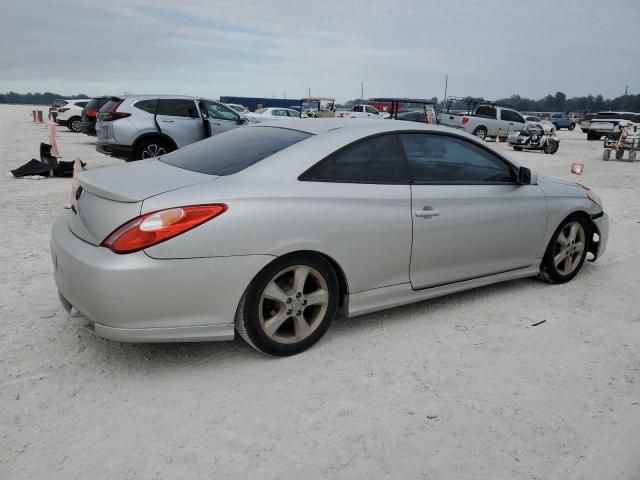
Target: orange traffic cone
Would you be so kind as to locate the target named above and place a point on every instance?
(498, 137)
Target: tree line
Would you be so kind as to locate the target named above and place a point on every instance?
(46, 98)
(550, 103)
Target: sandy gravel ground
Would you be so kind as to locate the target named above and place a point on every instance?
(458, 388)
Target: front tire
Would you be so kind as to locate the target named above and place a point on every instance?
(567, 250)
(289, 306)
(572, 126)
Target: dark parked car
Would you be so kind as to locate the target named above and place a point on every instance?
(560, 121)
(89, 115)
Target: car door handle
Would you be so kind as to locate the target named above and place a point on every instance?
(166, 121)
(427, 212)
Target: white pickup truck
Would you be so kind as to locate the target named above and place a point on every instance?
(362, 111)
(485, 121)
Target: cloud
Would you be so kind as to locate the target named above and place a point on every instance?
(402, 48)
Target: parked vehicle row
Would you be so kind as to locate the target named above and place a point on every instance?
(603, 123)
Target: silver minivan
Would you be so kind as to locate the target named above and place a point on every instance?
(144, 126)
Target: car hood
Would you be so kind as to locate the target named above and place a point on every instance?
(133, 182)
(556, 186)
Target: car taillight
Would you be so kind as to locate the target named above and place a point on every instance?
(91, 113)
(465, 120)
(155, 227)
(112, 115)
(60, 110)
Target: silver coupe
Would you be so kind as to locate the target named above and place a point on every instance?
(273, 230)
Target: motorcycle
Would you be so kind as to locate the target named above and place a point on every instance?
(535, 136)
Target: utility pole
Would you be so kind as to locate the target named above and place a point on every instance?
(446, 84)
(362, 91)
(285, 93)
(309, 93)
(626, 91)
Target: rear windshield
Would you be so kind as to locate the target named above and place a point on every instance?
(233, 151)
(107, 106)
(96, 103)
(608, 115)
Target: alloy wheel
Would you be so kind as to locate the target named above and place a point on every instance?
(153, 150)
(569, 248)
(293, 304)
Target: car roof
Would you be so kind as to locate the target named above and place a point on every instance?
(176, 97)
(364, 126)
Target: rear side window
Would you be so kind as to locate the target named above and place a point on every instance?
(148, 106)
(175, 107)
(374, 160)
(82, 104)
(486, 111)
(233, 151)
(446, 159)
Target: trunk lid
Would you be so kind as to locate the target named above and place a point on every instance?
(108, 197)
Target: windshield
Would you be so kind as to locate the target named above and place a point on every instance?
(233, 151)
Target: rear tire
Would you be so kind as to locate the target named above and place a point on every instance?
(480, 132)
(289, 305)
(152, 147)
(572, 126)
(74, 124)
(567, 250)
(517, 149)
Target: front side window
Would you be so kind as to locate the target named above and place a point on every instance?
(293, 113)
(279, 113)
(219, 111)
(436, 158)
(371, 110)
(177, 108)
(374, 160)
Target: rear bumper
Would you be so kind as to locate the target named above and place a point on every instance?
(112, 149)
(88, 127)
(136, 298)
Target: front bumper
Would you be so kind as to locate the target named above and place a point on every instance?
(119, 151)
(136, 298)
(61, 122)
(601, 222)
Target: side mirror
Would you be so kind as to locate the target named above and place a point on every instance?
(524, 176)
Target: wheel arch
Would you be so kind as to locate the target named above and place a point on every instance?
(343, 285)
(146, 136)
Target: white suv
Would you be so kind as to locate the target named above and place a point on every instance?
(69, 114)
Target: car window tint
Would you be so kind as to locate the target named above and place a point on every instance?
(371, 110)
(486, 111)
(511, 116)
(443, 158)
(148, 106)
(82, 104)
(177, 108)
(219, 111)
(375, 160)
(230, 152)
(293, 113)
(279, 113)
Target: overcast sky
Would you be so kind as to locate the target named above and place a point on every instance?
(490, 48)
